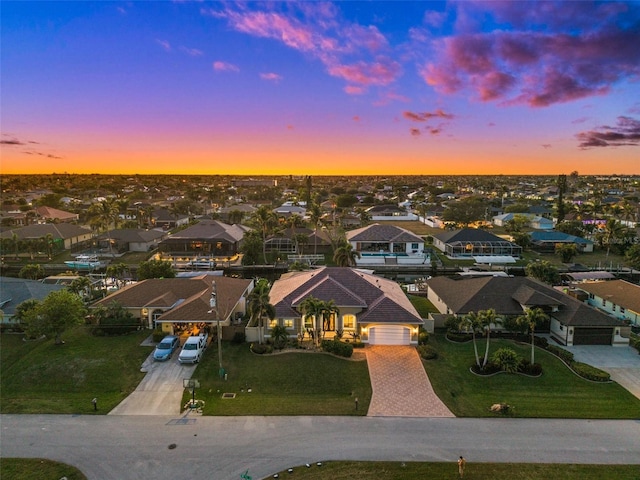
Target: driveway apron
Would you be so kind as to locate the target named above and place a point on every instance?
(159, 392)
(401, 387)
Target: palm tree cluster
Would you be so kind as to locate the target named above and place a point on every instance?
(259, 306)
(321, 311)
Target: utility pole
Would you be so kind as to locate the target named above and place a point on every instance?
(213, 303)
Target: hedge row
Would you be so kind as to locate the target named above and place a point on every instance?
(427, 352)
(337, 347)
(590, 373)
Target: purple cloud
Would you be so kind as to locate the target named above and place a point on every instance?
(220, 66)
(426, 116)
(551, 61)
(164, 44)
(625, 132)
(272, 77)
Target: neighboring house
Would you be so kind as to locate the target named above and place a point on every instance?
(65, 235)
(287, 209)
(390, 212)
(535, 221)
(572, 322)
(131, 239)
(298, 241)
(243, 211)
(616, 297)
(208, 238)
(163, 218)
(387, 244)
(541, 223)
(371, 307)
(14, 291)
(547, 241)
(178, 304)
(49, 214)
(476, 243)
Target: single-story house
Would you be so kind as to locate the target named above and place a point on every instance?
(547, 241)
(369, 307)
(387, 244)
(14, 291)
(208, 238)
(50, 214)
(390, 212)
(182, 304)
(237, 213)
(65, 236)
(474, 242)
(534, 221)
(572, 322)
(163, 218)
(132, 239)
(298, 241)
(616, 297)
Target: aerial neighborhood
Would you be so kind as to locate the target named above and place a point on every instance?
(503, 274)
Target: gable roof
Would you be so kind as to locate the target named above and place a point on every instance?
(382, 300)
(50, 212)
(210, 230)
(509, 296)
(136, 235)
(188, 298)
(555, 236)
(57, 230)
(383, 233)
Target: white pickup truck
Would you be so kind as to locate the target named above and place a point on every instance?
(193, 349)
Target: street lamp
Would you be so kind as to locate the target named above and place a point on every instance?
(213, 303)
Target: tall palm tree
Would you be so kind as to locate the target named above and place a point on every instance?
(259, 306)
(315, 213)
(471, 322)
(312, 307)
(266, 221)
(532, 318)
(82, 287)
(487, 318)
(327, 309)
(345, 255)
(103, 215)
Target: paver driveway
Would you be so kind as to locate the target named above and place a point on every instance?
(401, 387)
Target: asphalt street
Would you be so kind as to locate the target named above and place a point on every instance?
(114, 447)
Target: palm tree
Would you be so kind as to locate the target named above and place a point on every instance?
(279, 336)
(314, 216)
(82, 287)
(117, 271)
(471, 322)
(613, 231)
(327, 309)
(487, 318)
(259, 306)
(345, 255)
(312, 307)
(532, 318)
(265, 220)
(104, 214)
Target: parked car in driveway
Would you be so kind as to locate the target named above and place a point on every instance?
(193, 349)
(164, 350)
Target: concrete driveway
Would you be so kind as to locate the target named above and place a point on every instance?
(160, 391)
(622, 363)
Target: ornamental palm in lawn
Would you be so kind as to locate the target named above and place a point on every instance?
(259, 305)
(487, 318)
(532, 318)
(312, 307)
(471, 322)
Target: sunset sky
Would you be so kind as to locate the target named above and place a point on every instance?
(349, 87)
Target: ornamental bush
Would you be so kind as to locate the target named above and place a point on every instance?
(562, 353)
(590, 373)
(507, 359)
(427, 352)
(337, 347)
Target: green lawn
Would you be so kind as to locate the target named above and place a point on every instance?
(30, 468)
(294, 383)
(473, 471)
(558, 393)
(40, 377)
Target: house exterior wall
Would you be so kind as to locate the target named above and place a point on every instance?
(436, 301)
(618, 311)
(562, 334)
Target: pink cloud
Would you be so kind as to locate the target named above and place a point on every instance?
(220, 66)
(354, 90)
(193, 52)
(369, 37)
(381, 72)
(273, 77)
(164, 44)
(626, 132)
(426, 116)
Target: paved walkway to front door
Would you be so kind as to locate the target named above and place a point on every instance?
(401, 387)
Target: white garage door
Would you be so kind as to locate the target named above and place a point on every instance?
(389, 335)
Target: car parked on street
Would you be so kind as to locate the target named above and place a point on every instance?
(164, 350)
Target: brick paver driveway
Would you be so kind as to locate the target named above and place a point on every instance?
(401, 387)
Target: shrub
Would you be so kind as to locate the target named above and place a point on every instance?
(423, 337)
(452, 324)
(238, 338)
(562, 353)
(427, 352)
(541, 342)
(158, 335)
(459, 337)
(634, 341)
(507, 359)
(337, 347)
(358, 344)
(528, 368)
(590, 373)
(489, 369)
(261, 348)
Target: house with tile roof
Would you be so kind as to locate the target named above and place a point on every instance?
(547, 241)
(14, 291)
(132, 239)
(572, 322)
(475, 243)
(371, 307)
(179, 304)
(65, 235)
(382, 244)
(50, 214)
(207, 238)
(616, 297)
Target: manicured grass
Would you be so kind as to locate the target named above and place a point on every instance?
(422, 305)
(40, 377)
(558, 393)
(294, 383)
(30, 468)
(443, 471)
